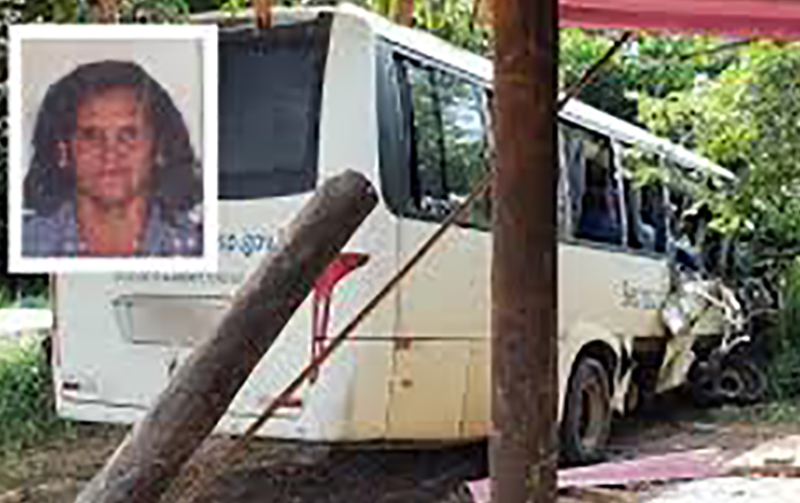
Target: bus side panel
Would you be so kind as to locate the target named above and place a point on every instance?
(428, 387)
(477, 400)
(607, 296)
(348, 401)
(620, 291)
(591, 309)
(447, 293)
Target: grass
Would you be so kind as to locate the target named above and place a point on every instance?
(35, 302)
(773, 412)
(783, 366)
(6, 299)
(27, 412)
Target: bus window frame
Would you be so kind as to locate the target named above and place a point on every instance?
(622, 146)
(396, 139)
(573, 237)
(395, 147)
(248, 185)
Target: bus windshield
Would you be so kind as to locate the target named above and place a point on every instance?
(270, 89)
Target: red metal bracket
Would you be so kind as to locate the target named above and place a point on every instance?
(341, 266)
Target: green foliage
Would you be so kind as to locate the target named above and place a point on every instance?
(56, 11)
(746, 120)
(668, 63)
(204, 5)
(6, 297)
(609, 90)
(652, 66)
(27, 413)
(452, 21)
(783, 348)
(779, 411)
(155, 11)
(233, 7)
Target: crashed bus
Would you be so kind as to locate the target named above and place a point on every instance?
(334, 88)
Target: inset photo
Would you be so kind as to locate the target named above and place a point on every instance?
(113, 148)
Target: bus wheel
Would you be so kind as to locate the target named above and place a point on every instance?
(754, 382)
(586, 424)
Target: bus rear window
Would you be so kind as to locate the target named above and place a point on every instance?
(270, 89)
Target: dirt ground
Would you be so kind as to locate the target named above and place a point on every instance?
(288, 473)
(53, 473)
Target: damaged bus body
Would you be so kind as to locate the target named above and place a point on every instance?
(329, 89)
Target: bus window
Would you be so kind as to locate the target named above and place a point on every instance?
(646, 226)
(570, 179)
(653, 214)
(463, 133)
(682, 230)
(638, 237)
(562, 199)
(270, 92)
(427, 145)
(678, 204)
(449, 140)
(573, 166)
(644, 195)
(600, 218)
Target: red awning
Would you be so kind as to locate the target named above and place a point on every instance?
(768, 18)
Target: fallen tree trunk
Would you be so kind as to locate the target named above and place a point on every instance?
(197, 397)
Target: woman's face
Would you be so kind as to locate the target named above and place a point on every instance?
(113, 147)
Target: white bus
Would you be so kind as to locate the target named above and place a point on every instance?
(330, 89)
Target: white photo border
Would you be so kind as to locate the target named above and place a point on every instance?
(207, 34)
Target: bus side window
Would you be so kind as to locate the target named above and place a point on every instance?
(646, 228)
(428, 178)
(571, 176)
(653, 213)
(449, 139)
(464, 131)
(637, 233)
(682, 230)
(563, 202)
(600, 218)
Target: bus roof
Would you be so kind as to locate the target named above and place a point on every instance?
(625, 132)
(425, 43)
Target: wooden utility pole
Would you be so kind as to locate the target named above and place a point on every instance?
(104, 11)
(405, 12)
(263, 10)
(523, 444)
(202, 390)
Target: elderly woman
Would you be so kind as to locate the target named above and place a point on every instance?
(113, 172)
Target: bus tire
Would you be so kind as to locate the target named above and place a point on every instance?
(586, 424)
(753, 378)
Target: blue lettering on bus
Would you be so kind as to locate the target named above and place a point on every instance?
(247, 243)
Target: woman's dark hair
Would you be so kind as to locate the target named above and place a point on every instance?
(177, 185)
